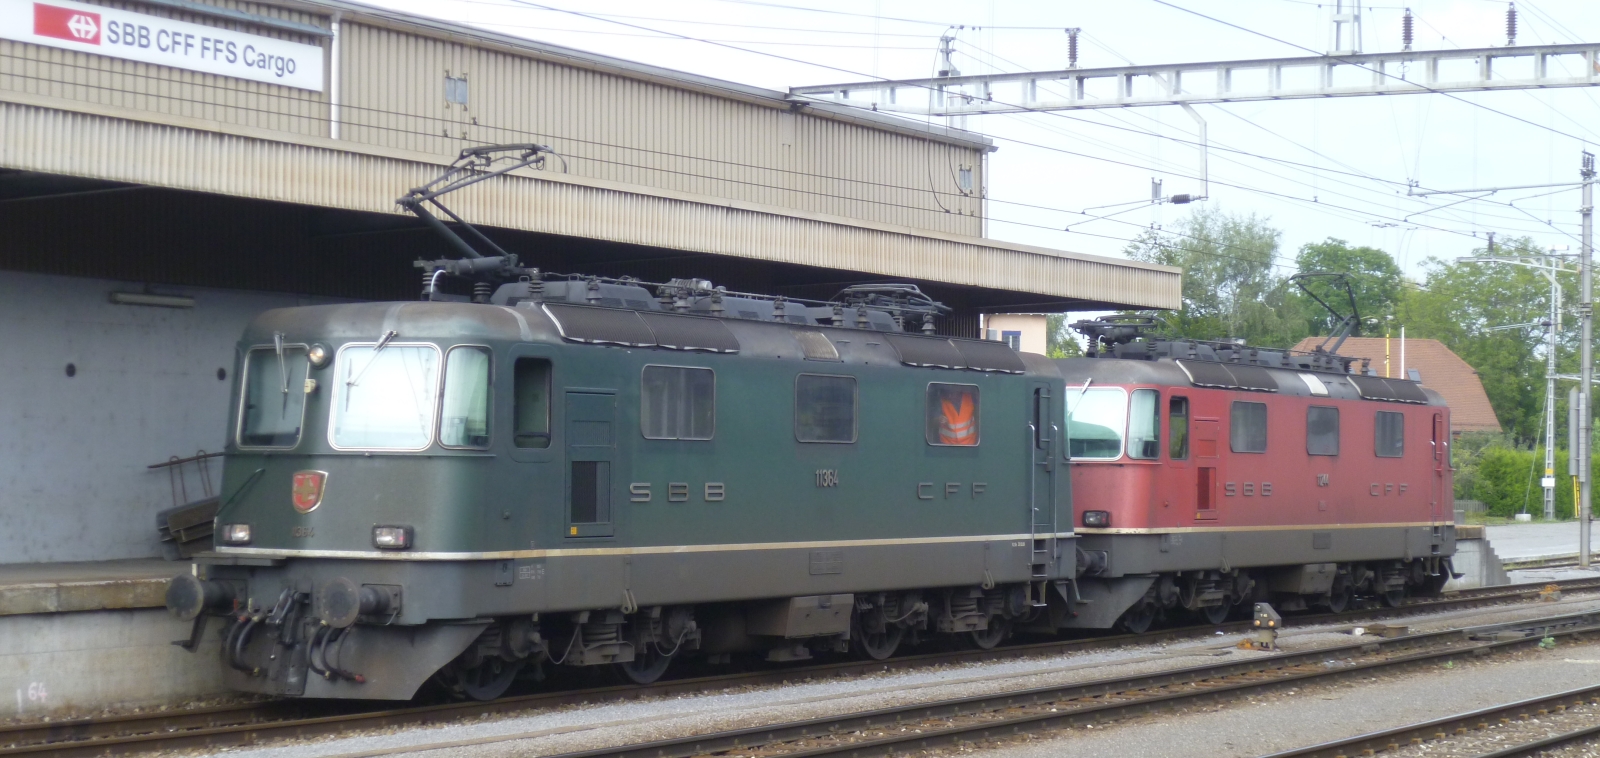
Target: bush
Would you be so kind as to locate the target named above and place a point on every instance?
(1506, 479)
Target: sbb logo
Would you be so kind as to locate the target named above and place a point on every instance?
(67, 24)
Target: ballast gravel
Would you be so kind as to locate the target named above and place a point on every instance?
(1263, 725)
(584, 727)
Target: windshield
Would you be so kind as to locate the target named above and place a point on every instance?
(384, 399)
(274, 397)
(1095, 420)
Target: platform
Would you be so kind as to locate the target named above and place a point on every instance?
(85, 586)
(80, 637)
(1520, 543)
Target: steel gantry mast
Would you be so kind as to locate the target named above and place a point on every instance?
(1231, 81)
(1550, 266)
(1586, 365)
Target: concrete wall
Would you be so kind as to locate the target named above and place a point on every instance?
(76, 663)
(1476, 561)
(73, 450)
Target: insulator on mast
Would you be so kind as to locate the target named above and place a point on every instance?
(1406, 31)
(1511, 25)
(1072, 47)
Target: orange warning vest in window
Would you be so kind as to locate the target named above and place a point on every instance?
(958, 424)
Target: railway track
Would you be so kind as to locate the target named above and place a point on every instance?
(1439, 734)
(964, 721)
(254, 723)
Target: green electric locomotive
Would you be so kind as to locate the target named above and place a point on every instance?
(584, 472)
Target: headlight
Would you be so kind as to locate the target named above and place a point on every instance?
(391, 537)
(318, 355)
(236, 534)
(1097, 519)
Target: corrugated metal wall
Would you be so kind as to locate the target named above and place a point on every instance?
(60, 142)
(611, 127)
(636, 132)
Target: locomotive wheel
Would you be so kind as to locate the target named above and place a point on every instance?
(1394, 598)
(876, 645)
(489, 679)
(986, 639)
(1137, 620)
(646, 667)
(1216, 614)
(1339, 598)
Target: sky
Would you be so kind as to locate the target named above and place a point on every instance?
(1313, 169)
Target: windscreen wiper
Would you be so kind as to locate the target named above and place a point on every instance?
(383, 342)
(283, 372)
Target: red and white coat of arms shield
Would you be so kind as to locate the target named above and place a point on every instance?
(307, 490)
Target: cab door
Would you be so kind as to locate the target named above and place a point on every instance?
(1441, 463)
(1042, 473)
(1178, 489)
(591, 457)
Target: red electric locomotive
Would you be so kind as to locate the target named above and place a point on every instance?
(1207, 476)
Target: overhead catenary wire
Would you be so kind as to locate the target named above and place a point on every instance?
(871, 201)
(581, 14)
(788, 189)
(1389, 197)
(600, 17)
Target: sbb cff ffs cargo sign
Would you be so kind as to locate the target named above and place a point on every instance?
(151, 39)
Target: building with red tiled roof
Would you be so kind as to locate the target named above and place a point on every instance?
(1440, 370)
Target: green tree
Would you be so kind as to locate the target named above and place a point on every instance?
(1460, 303)
(1059, 342)
(1372, 273)
(1230, 288)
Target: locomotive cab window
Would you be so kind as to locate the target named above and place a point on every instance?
(1178, 428)
(272, 410)
(1144, 425)
(1096, 419)
(464, 414)
(383, 397)
(952, 414)
(1389, 434)
(531, 403)
(677, 403)
(1322, 430)
(1247, 427)
(824, 408)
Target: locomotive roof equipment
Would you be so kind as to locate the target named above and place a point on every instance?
(498, 278)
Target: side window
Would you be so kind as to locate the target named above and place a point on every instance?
(1390, 435)
(1322, 430)
(952, 414)
(1178, 428)
(1247, 427)
(464, 415)
(532, 403)
(824, 408)
(1144, 425)
(677, 403)
(273, 407)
